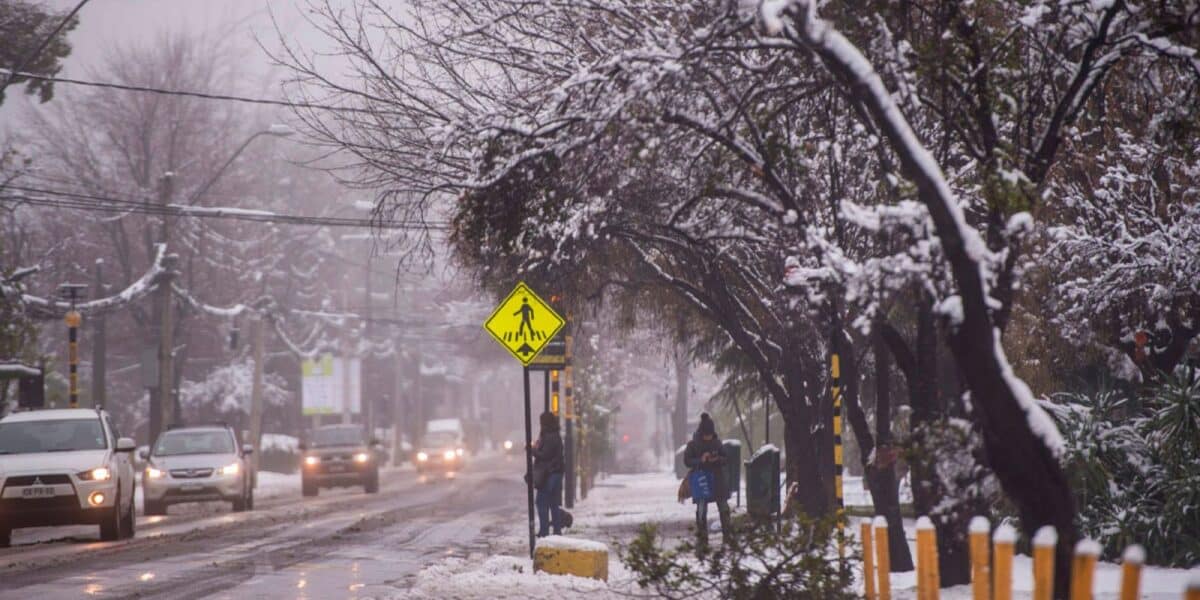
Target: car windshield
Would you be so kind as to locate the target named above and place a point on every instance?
(175, 443)
(336, 436)
(58, 435)
(440, 439)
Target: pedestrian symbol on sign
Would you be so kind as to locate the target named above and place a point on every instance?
(523, 323)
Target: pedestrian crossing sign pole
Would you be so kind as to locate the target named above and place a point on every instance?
(524, 324)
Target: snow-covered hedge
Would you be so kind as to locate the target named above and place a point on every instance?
(1135, 467)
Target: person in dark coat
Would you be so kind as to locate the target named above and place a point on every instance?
(706, 452)
(548, 467)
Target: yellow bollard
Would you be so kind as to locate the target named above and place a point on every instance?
(1043, 562)
(1083, 569)
(980, 561)
(1131, 572)
(868, 560)
(1003, 540)
(927, 567)
(883, 560)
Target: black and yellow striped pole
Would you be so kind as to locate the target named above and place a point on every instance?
(73, 319)
(835, 372)
(72, 292)
(554, 393)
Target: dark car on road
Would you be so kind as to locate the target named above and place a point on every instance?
(339, 456)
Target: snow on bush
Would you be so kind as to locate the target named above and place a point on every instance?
(1135, 467)
(227, 389)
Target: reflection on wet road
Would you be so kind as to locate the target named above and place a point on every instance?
(343, 544)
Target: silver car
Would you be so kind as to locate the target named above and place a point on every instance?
(197, 464)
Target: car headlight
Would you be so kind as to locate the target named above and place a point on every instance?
(97, 474)
(230, 469)
(422, 457)
(312, 460)
(508, 444)
(361, 457)
(153, 473)
(459, 451)
(448, 455)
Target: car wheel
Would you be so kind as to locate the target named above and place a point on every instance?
(250, 499)
(308, 488)
(153, 508)
(5, 536)
(110, 526)
(371, 486)
(129, 523)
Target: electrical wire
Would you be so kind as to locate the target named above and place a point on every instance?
(106, 204)
(14, 73)
(11, 73)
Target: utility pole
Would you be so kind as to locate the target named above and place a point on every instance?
(99, 346)
(161, 405)
(256, 392)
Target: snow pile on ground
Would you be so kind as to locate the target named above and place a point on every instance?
(619, 504)
(280, 442)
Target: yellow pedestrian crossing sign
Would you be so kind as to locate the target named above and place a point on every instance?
(523, 323)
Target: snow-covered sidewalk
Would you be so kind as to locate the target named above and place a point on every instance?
(620, 504)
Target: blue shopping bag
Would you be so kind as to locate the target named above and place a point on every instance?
(701, 483)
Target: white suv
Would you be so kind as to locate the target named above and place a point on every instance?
(198, 463)
(65, 467)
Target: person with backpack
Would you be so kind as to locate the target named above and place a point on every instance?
(548, 467)
(705, 453)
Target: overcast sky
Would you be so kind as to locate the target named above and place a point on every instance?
(107, 23)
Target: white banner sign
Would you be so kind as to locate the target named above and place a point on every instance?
(330, 386)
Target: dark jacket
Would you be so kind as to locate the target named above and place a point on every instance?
(548, 456)
(696, 449)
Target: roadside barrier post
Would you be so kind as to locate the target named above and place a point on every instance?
(980, 559)
(883, 560)
(927, 568)
(1043, 562)
(1083, 568)
(868, 561)
(1193, 590)
(1131, 571)
(1003, 541)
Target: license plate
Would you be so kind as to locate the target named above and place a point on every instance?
(337, 468)
(42, 491)
(192, 487)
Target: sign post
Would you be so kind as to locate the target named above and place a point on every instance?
(524, 324)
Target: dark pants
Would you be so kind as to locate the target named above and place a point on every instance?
(549, 496)
(702, 519)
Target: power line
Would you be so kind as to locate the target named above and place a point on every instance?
(13, 73)
(107, 204)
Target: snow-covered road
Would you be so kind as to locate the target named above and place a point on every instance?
(343, 544)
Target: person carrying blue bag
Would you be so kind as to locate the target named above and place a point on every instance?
(705, 456)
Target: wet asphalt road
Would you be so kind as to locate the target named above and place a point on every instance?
(342, 544)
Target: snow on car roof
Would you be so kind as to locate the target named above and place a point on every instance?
(51, 414)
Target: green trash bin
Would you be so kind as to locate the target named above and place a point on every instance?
(762, 483)
(733, 467)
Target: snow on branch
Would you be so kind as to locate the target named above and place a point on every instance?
(964, 247)
(43, 308)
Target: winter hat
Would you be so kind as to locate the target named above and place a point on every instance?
(707, 427)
